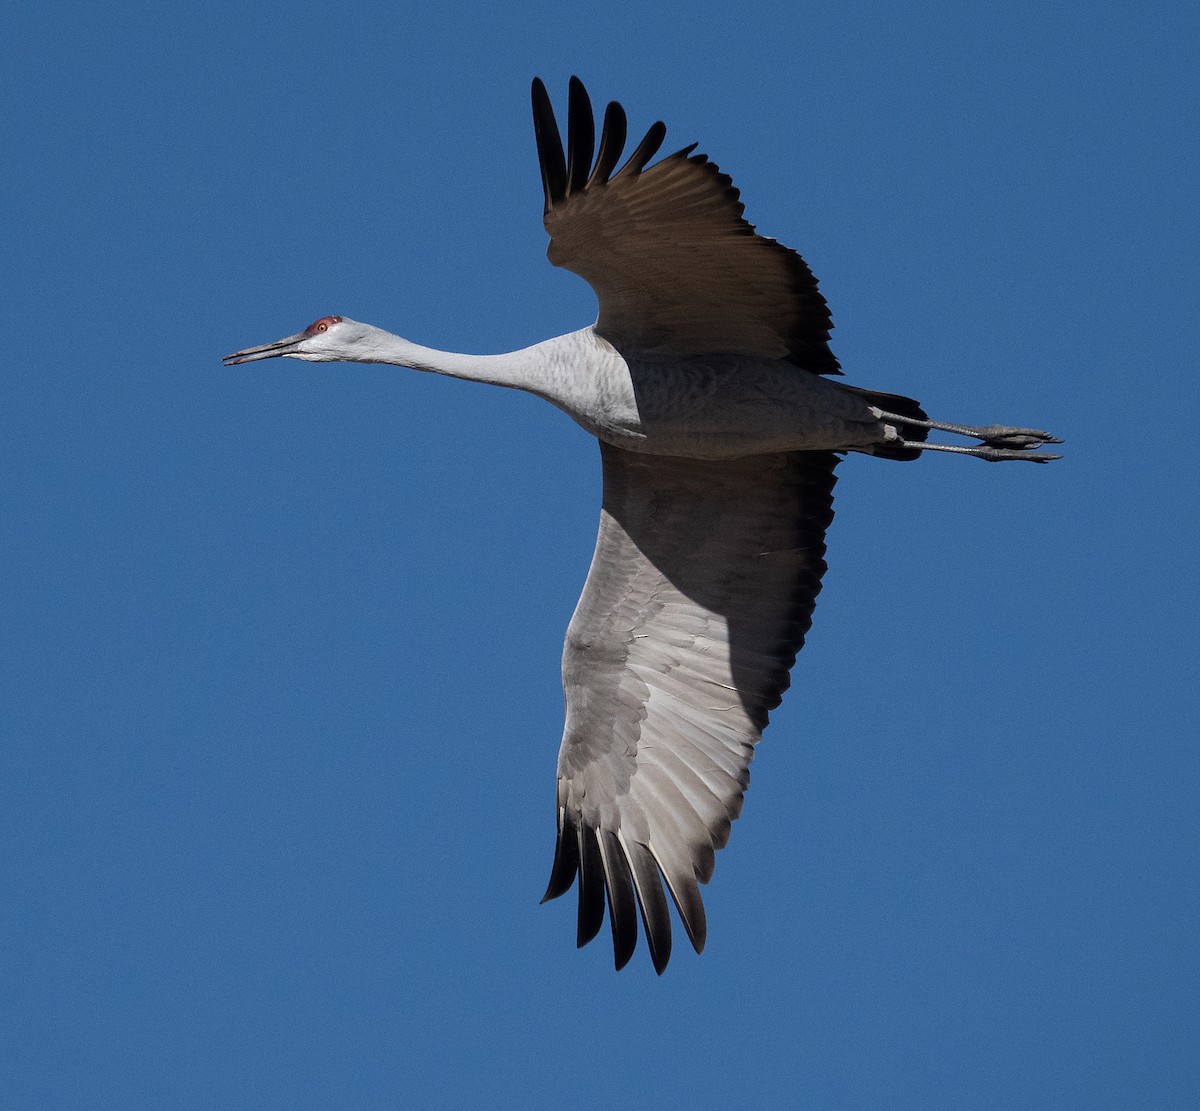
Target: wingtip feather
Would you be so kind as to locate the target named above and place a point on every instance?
(646, 149)
(551, 158)
(591, 886)
(581, 136)
(652, 902)
(681, 882)
(566, 860)
(612, 143)
(622, 912)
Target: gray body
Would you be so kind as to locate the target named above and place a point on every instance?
(712, 407)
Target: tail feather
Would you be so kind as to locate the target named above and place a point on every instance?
(905, 407)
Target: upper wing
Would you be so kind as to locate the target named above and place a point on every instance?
(675, 266)
(700, 592)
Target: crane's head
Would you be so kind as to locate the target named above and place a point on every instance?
(328, 340)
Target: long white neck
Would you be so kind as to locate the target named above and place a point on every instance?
(514, 369)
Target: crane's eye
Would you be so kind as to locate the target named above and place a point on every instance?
(322, 325)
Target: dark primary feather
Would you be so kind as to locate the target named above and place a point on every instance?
(581, 135)
(645, 150)
(652, 902)
(591, 885)
(612, 142)
(700, 593)
(550, 149)
(622, 906)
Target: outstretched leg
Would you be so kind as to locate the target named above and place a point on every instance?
(999, 441)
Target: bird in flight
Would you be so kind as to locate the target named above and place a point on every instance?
(707, 379)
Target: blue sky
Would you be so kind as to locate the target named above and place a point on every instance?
(281, 641)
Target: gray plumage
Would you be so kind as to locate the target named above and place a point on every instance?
(703, 379)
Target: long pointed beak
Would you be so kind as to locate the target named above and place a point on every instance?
(266, 351)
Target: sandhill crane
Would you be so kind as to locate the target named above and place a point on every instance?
(705, 380)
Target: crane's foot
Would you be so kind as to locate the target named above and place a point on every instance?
(991, 454)
(999, 441)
